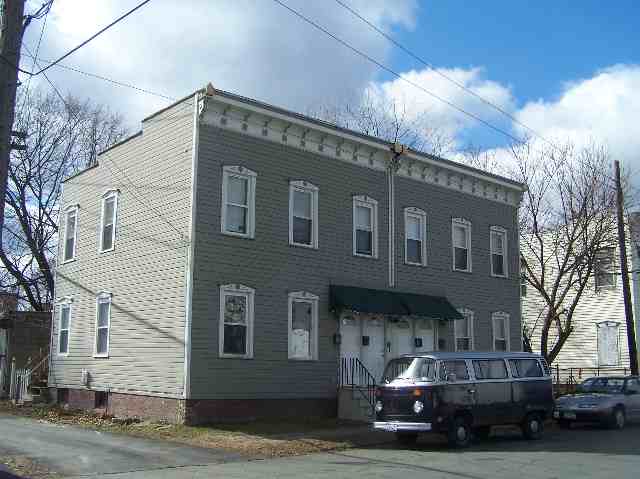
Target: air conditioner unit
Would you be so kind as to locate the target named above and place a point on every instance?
(85, 378)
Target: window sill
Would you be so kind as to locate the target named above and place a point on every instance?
(501, 276)
(238, 235)
(106, 250)
(101, 356)
(302, 245)
(302, 359)
(69, 260)
(365, 256)
(419, 265)
(234, 356)
(62, 355)
(468, 271)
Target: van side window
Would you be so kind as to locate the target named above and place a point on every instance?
(525, 368)
(457, 367)
(490, 369)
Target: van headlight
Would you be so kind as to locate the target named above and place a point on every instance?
(378, 406)
(418, 406)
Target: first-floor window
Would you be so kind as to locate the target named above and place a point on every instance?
(303, 326)
(464, 331)
(500, 326)
(64, 323)
(103, 324)
(608, 353)
(236, 321)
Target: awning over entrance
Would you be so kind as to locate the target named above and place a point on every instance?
(378, 301)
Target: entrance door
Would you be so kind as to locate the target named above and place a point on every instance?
(399, 339)
(373, 353)
(425, 330)
(350, 337)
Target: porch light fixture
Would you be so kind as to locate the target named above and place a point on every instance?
(337, 339)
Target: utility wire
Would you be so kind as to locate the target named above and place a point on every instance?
(396, 74)
(440, 73)
(99, 32)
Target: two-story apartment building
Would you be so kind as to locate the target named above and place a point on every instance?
(217, 264)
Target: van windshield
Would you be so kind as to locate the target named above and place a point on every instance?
(410, 369)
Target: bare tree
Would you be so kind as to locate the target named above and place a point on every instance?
(567, 217)
(387, 119)
(63, 138)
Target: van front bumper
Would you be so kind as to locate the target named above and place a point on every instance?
(396, 426)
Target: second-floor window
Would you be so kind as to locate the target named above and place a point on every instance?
(108, 221)
(498, 240)
(365, 226)
(461, 239)
(415, 246)
(70, 233)
(605, 275)
(303, 214)
(238, 201)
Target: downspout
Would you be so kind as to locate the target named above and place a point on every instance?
(393, 165)
(198, 109)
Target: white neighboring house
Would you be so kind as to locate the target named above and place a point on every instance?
(599, 337)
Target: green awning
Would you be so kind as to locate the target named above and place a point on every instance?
(378, 301)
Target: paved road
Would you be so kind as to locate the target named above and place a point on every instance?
(587, 452)
(583, 453)
(77, 451)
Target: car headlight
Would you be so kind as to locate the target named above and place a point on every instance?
(418, 406)
(378, 406)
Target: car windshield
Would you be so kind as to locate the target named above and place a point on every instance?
(602, 385)
(413, 369)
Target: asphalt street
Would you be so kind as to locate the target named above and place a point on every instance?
(584, 452)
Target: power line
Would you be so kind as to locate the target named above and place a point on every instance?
(440, 73)
(396, 74)
(103, 78)
(99, 32)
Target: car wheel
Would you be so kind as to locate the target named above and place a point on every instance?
(459, 434)
(482, 433)
(564, 424)
(533, 427)
(617, 419)
(406, 438)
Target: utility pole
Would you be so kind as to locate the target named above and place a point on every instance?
(626, 290)
(10, 43)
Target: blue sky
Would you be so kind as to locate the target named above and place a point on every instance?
(568, 69)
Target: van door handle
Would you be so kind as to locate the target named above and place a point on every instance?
(471, 391)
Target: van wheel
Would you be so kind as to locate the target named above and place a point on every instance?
(459, 434)
(617, 419)
(482, 433)
(533, 427)
(406, 438)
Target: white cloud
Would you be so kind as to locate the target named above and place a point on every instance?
(447, 119)
(254, 48)
(603, 109)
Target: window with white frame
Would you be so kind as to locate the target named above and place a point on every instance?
(238, 201)
(70, 233)
(605, 275)
(523, 278)
(64, 326)
(461, 244)
(103, 324)
(108, 221)
(365, 226)
(498, 240)
(303, 214)
(303, 325)
(500, 331)
(608, 343)
(415, 244)
(463, 329)
(236, 321)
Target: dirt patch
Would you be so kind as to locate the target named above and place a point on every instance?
(262, 439)
(22, 466)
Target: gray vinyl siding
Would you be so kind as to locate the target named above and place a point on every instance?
(146, 272)
(273, 268)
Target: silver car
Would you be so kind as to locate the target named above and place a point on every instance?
(607, 400)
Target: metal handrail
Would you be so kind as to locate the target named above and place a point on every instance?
(356, 375)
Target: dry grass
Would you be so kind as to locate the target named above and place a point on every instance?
(24, 467)
(261, 439)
